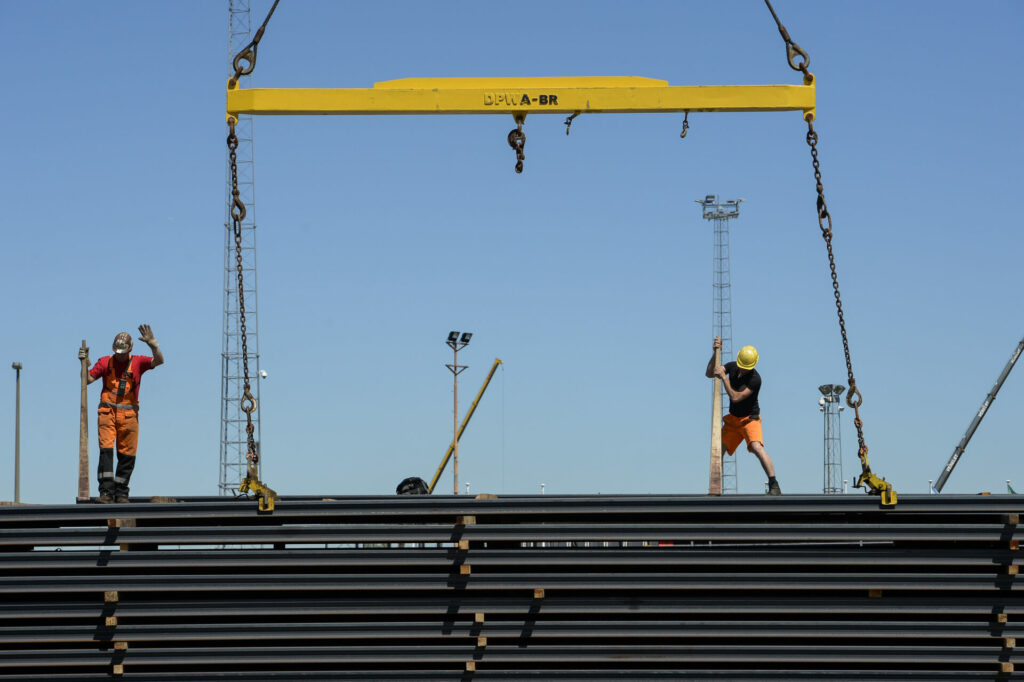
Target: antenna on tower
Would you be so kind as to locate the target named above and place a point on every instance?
(721, 212)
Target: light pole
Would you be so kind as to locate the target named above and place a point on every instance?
(16, 366)
(830, 405)
(456, 343)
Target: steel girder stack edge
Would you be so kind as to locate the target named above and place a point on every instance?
(518, 587)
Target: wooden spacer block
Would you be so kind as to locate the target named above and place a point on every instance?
(478, 617)
(1012, 569)
(1014, 544)
(482, 642)
(120, 523)
(111, 621)
(462, 544)
(538, 593)
(1001, 618)
(1009, 642)
(464, 569)
(120, 646)
(1011, 519)
(470, 666)
(486, 496)
(874, 593)
(118, 669)
(1006, 667)
(110, 596)
(468, 520)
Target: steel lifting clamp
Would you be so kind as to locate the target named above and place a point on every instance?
(878, 486)
(264, 494)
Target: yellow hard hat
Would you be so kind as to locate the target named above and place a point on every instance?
(746, 358)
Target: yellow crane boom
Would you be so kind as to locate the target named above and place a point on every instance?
(465, 421)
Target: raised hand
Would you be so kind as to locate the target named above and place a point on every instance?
(146, 334)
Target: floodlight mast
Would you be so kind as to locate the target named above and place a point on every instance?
(831, 406)
(456, 344)
(720, 213)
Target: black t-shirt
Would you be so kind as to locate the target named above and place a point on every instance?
(752, 380)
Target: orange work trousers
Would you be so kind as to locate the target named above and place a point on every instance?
(118, 428)
(735, 430)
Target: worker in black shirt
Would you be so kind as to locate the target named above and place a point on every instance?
(743, 383)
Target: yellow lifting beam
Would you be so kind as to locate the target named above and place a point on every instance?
(519, 96)
(543, 95)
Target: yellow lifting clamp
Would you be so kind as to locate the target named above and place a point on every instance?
(874, 483)
(252, 484)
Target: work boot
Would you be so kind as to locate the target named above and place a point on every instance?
(105, 499)
(125, 467)
(122, 499)
(773, 488)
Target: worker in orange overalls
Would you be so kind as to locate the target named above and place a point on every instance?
(118, 422)
(743, 423)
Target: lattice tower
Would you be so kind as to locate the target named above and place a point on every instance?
(233, 442)
(720, 213)
(831, 407)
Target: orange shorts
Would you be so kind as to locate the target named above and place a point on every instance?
(120, 427)
(735, 430)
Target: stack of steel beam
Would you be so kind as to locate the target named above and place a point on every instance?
(524, 587)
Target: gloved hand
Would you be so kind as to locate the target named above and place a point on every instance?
(83, 353)
(147, 335)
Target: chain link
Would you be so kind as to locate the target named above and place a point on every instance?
(248, 402)
(517, 140)
(853, 397)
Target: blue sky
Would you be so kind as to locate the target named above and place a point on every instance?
(589, 275)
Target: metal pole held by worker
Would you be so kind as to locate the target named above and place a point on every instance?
(16, 366)
(83, 431)
(715, 480)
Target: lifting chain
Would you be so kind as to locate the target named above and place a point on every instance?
(853, 397)
(517, 140)
(248, 53)
(686, 124)
(251, 482)
(237, 216)
(872, 482)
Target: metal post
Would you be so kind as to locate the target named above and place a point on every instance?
(456, 342)
(455, 422)
(16, 366)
